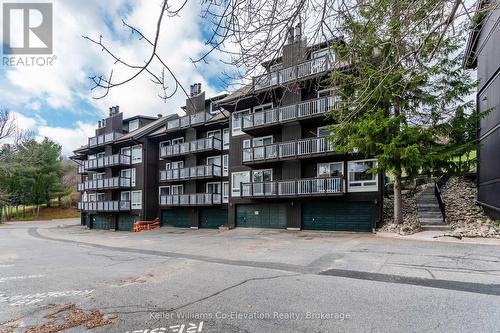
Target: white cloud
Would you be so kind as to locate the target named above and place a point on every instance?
(69, 138)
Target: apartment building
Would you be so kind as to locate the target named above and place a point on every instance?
(284, 172)
(116, 187)
(259, 157)
(483, 54)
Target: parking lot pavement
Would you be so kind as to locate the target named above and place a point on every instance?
(242, 280)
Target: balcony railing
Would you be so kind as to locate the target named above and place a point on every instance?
(104, 139)
(187, 121)
(196, 199)
(102, 184)
(104, 206)
(285, 150)
(310, 108)
(300, 187)
(200, 171)
(282, 76)
(205, 144)
(104, 162)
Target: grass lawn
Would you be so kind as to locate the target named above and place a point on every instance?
(48, 213)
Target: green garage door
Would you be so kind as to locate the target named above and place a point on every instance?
(261, 216)
(212, 218)
(126, 222)
(339, 216)
(103, 222)
(180, 218)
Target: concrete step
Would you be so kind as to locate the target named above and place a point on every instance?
(430, 215)
(444, 227)
(430, 220)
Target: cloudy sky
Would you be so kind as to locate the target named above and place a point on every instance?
(57, 102)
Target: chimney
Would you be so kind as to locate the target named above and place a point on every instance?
(117, 109)
(290, 35)
(159, 115)
(298, 32)
(195, 89)
(199, 88)
(99, 124)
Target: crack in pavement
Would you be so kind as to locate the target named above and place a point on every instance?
(480, 288)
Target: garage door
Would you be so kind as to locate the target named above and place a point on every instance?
(126, 222)
(340, 216)
(180, 218)
(261, 216)
(212, 218)
(103, 222)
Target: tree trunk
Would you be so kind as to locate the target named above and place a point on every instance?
(398, 201)
(37, 210)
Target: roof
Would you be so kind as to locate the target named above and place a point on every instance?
(220, 116)
(140, 117)
(141, 131)
(239, 93)
(470, 59)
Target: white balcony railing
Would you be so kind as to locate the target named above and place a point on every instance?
(187, 121)
(310, 186)
(106, 183)
(204, 144)
(306, 109)
(200, 171)
(302, 70)
(104, 162)
(195, 199)
(292, 149)
(104, 139)
(104, 206)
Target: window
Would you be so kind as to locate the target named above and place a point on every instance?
(323, 132)
(99, 197)
(237, 120)
(133, 125)
(91, 157)
(263, 107)
(125, 196)
(215, 133)
(236, 179)
(165, 143)
(128, 173)
(177, 165)
(322, 53)
(259, 150)
(99, 155)
(262, 141)
(225, 139)
(330, 170)
(177, 189)
(136, 201)
(360, 179)
(214, 160)
(92, 197)
(126, 151)
(262, 175)
(177, 141)
(137, 154)
(247, 152)
(163, 191)
(325, 92)
(225, 191)
(97, 176)
(213, 188)
(225, 165)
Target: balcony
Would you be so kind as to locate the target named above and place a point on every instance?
(288, 74)
(104, 206)
(104, 139)
(188, 121)
(253, 122)
(303, 148)
(196, 199)
(197, 146)
(197, 172)
(293, 188)
(105, 184)
(104, 162)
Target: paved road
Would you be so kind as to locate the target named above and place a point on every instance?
(243, 280)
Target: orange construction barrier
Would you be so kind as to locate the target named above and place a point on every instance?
(146, 225)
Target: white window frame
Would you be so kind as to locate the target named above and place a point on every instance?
(135, 159)
(362, 187)
(132, 175)
(262, 170)
(325, 92)
(215, 157)
(329, 163)
(92, 197)
(322, 52)
(136, 204)
(322, 128)
(176, 164)
(101, 154)
(125, 192)
(235, 190)
(225, 165)
(177, 187)
(213, 134)
(99, 196)
(98, 175)
(159, 191)
(262, 138)
(218, 187)
(165, 143)
(177, 141)
(262, 107)
(225, 138)
(225, 191)
(235, 131)
(135, 121)
(127, 151)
